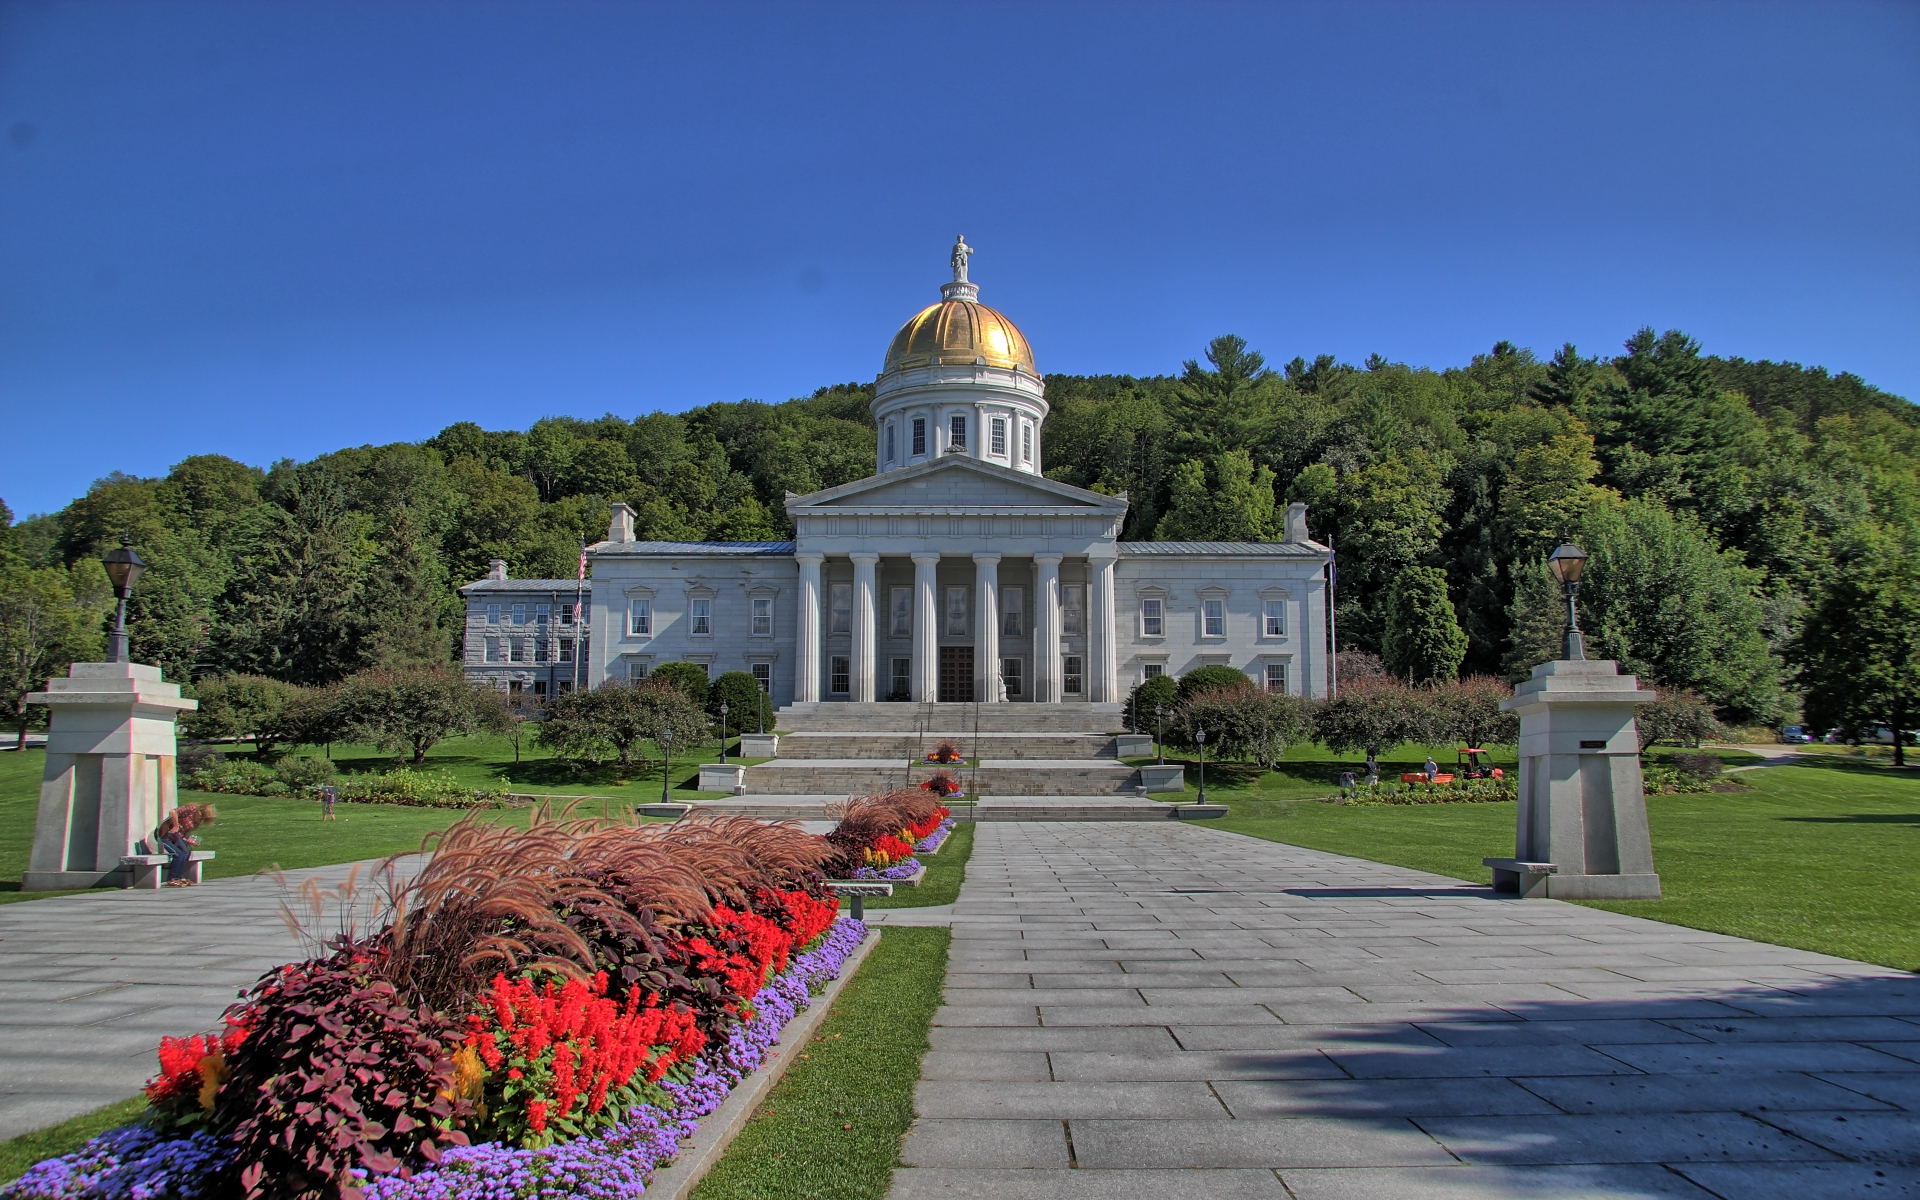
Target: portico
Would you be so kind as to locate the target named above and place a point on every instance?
(957, 581)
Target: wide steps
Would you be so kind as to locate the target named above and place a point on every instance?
(907, 747)
(918, 718)
(1021, 777)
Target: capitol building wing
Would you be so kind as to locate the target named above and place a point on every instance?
(959, 573)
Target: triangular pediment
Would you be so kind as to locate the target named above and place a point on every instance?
(956, 482)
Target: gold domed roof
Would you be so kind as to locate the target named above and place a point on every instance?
(959, 333)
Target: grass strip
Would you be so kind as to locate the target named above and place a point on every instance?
(831, 1128)
(17, 1154)
(945, 873)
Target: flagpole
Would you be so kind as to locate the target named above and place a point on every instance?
(1333, 633)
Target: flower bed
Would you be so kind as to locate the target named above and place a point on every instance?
(906, 868)
(545, 1011)
(931, 843)
(879, 834)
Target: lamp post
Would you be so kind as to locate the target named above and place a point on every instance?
(1568, 563)
(1159, 737)
(666, 766)
(1200, 735)
(723, 733)
(123, 568)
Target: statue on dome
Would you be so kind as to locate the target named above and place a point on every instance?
(961, 252)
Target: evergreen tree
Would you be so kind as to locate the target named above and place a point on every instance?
(1423, 639)
(405, 617)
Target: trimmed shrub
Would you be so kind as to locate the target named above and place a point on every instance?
(303, 773)
(690, 678)
(746, 704)
(1697, 766)
(1163, 690)
(1212, 678)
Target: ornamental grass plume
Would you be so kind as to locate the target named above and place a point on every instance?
(738, 856)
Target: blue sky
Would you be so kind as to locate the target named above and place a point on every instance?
(271, 230)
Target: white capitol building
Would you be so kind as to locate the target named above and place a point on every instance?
(958, 573)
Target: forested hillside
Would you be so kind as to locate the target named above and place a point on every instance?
(1723, 501)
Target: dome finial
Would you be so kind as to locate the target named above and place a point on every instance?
(960, 289)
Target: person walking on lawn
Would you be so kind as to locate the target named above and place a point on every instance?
(328, 795)
(177, 839)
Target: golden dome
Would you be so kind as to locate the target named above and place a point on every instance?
(959, 333)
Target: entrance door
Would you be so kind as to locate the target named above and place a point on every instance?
(956, 674)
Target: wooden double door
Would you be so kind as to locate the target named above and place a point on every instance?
(956, 674)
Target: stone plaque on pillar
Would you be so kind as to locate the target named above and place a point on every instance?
(1582, 826)
(109, 775)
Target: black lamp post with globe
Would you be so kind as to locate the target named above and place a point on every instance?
(1200, 736)
(1568, 563)
(1159, 736)
(123, 565)
(666, 766)
(723, 733)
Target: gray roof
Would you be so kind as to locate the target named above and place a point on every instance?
(1147, 549)
(695, 549)
(525, 585)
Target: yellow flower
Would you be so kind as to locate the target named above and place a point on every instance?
(213, 1073)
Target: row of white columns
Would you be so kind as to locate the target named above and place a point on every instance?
(1100, 670)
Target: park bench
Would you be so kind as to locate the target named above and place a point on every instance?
(858, 890)
(148, 868)
(1523, 879)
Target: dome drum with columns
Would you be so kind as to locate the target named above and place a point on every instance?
(957, 572)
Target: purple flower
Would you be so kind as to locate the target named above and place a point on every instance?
(904, 869)
(136, 1163)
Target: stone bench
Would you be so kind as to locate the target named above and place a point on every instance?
(858, 890)
(148, 868)
(724, 778)
(1523, 879)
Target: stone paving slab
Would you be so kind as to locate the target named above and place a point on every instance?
(90, 983)
(1174, 1011)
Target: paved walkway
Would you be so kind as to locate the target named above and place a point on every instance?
(1165, 1012)
(89, 984)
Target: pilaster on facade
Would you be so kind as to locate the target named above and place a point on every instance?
(807, 640)
(987, 685)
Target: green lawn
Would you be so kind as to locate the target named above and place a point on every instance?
(1824, 856)
(831, 1128)
(1306, 772)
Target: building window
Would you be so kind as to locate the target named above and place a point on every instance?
(1010, 676)
(840, 684)
(540, 649)
(999, 427)
(1071, 684)
(566, 614)
(542, 614)
(1213, 618)
(516, 649)
(763, 675)
(902, 599)
(566, 685)
(890, 441)
(919, 435)
(840, 608)
(1153, 618)
(515, 689)
(1152, 671)
(519, 614)
(702, 614)
(705, 668)
(492, 653)
(902, 677)
(636, 671)
(493, 614)
(566, 650)
(1026, 441)
(539, 689)
(1073, 609)
(640, 618)
(1277, 679)
(1013, 611)
(956, 612)
(1276, 618)
(957, 431)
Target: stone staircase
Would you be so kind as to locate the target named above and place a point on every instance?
(1017, 749)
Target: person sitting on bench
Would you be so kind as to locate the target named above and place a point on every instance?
(177, 839)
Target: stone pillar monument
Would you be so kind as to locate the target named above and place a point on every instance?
(109, 776)
(1583, 814)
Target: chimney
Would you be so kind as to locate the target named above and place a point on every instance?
(1297, 523)
(620, 529)
(497, 570)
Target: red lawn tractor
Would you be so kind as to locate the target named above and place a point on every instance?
(1474, 763)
